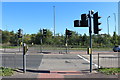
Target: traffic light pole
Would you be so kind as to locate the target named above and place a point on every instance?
(41, 37)
(90, 34)
(24, 58)
(19, 45)
(24, 55)
(83, 23)
(66, 45)
(41, 45)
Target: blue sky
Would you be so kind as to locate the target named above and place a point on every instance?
(31, 16)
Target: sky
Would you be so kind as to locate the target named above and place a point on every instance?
(33, 16)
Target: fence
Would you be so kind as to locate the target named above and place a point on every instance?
(39, 49)
(11, 61)
(48, 49)
(16, 61)
(108, 60)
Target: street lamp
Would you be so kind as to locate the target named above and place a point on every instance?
(108, 23)
(54, 19)
(115, 20)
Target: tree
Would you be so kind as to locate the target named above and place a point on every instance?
(0, 36)
(115, 39)
(84, 40)
(118, 40)
(57, 39)
(48, 39)
(32, 38)
(37, 38)
(27, 38)
(5, 37)
(74, 39)
(13, 38)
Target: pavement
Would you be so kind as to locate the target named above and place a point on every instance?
(53, 75)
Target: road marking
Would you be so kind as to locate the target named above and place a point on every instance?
(88, 61)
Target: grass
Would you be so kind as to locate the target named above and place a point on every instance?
(109, 71)
(9, 46)
(6, 71)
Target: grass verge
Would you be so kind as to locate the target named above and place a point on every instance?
(6, 71)
(109, 71)
(9, 46)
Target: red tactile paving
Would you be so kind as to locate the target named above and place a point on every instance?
(58, 74)
(49, 75)
(66, 72)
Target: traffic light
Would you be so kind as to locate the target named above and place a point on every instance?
(44, 32)
(69, 33)
(96, 23)
(84, 20)
(77, 23)
(19, 33)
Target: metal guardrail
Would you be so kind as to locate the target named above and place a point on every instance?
(108, 60)
(9, 61)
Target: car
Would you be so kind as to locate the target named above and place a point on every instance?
(116, 49)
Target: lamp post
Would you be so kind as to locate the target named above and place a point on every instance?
(108, 23)
(115, 20)
(54, 19)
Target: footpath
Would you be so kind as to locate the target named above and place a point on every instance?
(60, 75)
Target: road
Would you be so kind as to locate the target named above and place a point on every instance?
(65, 62)
(76, 61)
(52, 51)
(61, 62)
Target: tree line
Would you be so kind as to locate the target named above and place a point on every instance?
(100, 40)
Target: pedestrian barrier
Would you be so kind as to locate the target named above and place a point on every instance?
(108, 60)
(9, 61)
(16, 61)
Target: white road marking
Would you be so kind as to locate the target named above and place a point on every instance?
(88, 61)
